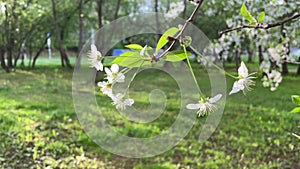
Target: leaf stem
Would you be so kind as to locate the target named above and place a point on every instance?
(216, 66)
(132, 78)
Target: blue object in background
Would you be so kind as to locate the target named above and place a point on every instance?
(118, 52)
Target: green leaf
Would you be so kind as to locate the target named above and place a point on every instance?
(247, 15)
(261, 17)
(120, 58)
(296, 99)
(176, 56)
(134, 47)
(131, 60)
(296, 110)
(163, 39)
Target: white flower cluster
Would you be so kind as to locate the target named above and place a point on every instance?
(113, 77)
(272, 80)
(275, 56)
(175, 10)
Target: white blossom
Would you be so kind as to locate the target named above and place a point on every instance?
(272, 80)
(275, 56)
(120, 102)
(205, 106)
(105, 88)
(113, 74)
(95, 58)
(265, 66)
(175, 10)
(244, 82)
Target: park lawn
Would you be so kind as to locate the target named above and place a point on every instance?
(39, 126)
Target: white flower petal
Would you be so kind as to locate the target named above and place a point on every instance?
(98, 66)
(95, 53)
(129, 102)
(120, 78)
(235, 88)
(108, 72)
(193, 106)
(115, 68)
(215, 99)
(93, 47)
(101, 84)
(243, 71)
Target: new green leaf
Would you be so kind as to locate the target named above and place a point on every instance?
(296, 99)
(176, 56)
(261, 17)
(163, 39)
(134, 46)
(296, 110)
(247, 15)
(131, 60)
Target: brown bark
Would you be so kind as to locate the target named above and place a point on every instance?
(63, 54)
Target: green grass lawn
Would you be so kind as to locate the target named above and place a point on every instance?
(39, 127)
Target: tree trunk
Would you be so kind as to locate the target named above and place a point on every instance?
(20, 52)
(2, 60)
(80, 43)
(99, 12)
(9, 39)
(250, 55)
(113, 26)
(298, 71)
(285, 69)
(39, 52)
(260, 54)
(237, 59)
(157, 20)
(30, 54)
(63, 54)
(99, 37)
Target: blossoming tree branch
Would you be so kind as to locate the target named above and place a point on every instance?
(146, 55)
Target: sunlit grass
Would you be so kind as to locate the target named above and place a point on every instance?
(39, 126)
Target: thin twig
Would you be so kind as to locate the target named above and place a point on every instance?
(291, 62)
(296, 135)
(262, 26)
(187, 22)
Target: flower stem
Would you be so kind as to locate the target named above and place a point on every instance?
(191, 69)
(136, 72)
(216, 66)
